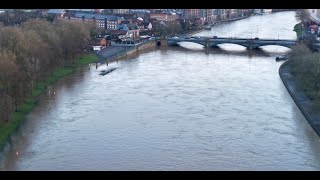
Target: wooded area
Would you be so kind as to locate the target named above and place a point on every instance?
(31, 52)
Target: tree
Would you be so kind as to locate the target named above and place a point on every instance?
(33, 50)
(174, 28)
(48, 33)
(11, 39)
(302, 15)
(8, 71)
(36, 57)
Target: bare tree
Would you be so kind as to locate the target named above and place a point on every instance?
(302, 15)
(32, 50)
(36, 58)
(8, 70)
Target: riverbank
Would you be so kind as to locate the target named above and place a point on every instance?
(6, 129)
(306, 106)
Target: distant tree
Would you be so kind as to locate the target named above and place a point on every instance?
(11, 38)
(302, 15)
(174, 28)
(8, 71)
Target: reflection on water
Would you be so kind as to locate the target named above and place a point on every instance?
(174, 108)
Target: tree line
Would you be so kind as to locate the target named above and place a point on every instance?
(30, 52)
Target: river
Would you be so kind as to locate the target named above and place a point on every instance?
(175, 108)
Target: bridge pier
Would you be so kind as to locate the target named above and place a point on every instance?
(214, 45)
(252, 46)
(207, 43)
(163, 41)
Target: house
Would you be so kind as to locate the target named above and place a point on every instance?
(120, 11)
(133, 34)
(148, 26)
(106, 41)
(103, 42)
(116, 34)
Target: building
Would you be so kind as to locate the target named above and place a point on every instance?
(163, 17)
(108, 11)
(82, 10)
(221, 14)
(245, 12)
(231, 13)
(98, 10)
(203, 14)
(59, 13)
(120, 11)
(107, 22)
(191, 13)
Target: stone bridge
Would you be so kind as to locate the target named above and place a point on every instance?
(249, 43)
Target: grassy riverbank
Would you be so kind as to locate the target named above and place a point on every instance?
(305, 67)
(6, 129)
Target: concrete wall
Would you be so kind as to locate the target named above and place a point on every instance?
(139, 47)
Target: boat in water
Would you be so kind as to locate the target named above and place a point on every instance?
(282, 57)
(104, 72)
(207, 28)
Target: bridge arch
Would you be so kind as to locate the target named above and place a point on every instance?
(287, 46)
(177, 42)
(220, 43)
